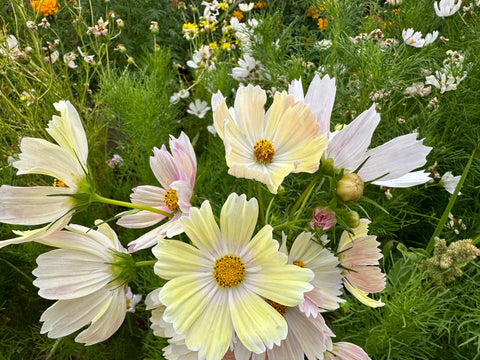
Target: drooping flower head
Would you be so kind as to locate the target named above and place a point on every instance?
(66, 163)
(359, 255)
(176, 173)
(267, 146)
(45, 7)
(390, 164)
(81, 274)
(221, 282)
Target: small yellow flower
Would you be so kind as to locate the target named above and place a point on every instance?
(226, 46)
(223, 6)
(396, 11)
(322, 24)
(238, 14)
(213, 45)
(45, 7)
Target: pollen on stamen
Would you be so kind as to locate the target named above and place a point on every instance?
(228, 271)
(282, 309)
(263, 150)
(299, 263)
(171, 200)
(59, 183)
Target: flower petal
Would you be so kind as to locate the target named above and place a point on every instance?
(237, 222)
(34, 205)
(362, 296)
(68, 132)
(203, 231)
(56, 280)
(321, 96)
(39, 156)
(257, 324)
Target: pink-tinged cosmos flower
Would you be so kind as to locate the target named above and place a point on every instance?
(267, 146)
(327, 282)
(359, 255)
(80, 275)
(220, 282)
(176, 174)
(346, 351)
(307, 336)
(65, 162)
(390, 164)
(323, 218)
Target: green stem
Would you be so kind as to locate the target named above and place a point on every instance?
(145, 263)
(302, 199)
(101, 199)
(444, 218)
(287, 223)
(260, 201)
(18, 270)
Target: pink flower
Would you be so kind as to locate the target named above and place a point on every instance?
(323, 218)
(359, 255)
(346, 351)
(176, 174)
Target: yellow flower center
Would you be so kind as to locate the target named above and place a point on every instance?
(299, 263)
(282, 309)
(59, 183)
(128, 303)
(263, 150)
(171, 200)
(228, 271)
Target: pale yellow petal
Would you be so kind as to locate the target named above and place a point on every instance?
(362, 296)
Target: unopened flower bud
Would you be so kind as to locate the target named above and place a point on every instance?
(154, 28)
(130, 60)
(120, 23)
(350, 187)
(352, 219)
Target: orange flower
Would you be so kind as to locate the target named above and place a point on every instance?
(260, 5)
(238, 14)
(322, 24)
(45, 7)
(312, 12)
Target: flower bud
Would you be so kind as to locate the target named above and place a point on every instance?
(350, 187)
(352, 219)
(120, 23)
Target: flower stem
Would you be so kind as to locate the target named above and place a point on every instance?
(444, 218)
(145, 263)
(260, 201)
(101, 199)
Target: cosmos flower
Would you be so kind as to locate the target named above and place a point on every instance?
(65, 162)
(450, 182)
(327, 282)
(198, 108)
(415, 39)
(221, 280)
(359, 255)
(390, 164)
(267, 146)
(444, 8)
(81, 275)
(175, 172)
(45, 7)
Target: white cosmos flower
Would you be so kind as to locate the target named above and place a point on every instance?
(415, 39)
(450, 182)
(267, 146)
(390, 164)
(221, 281)
(359, 255)
(80, 275)
(442, 81)
(176, 174)
(66, 162)
(246, 7)
(198, 108)
(444, 8)
(327, 283)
